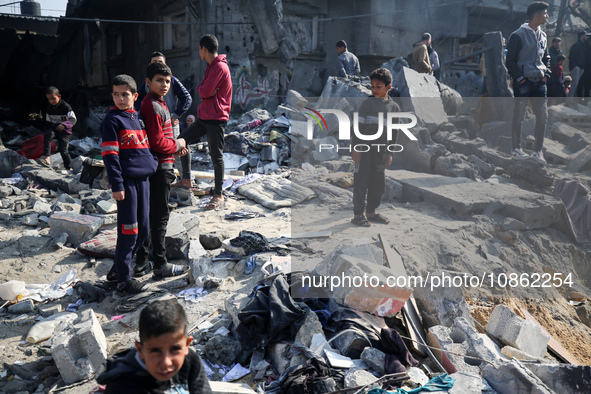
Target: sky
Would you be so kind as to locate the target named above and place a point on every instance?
(48, 7)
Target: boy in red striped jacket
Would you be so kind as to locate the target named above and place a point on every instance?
(129, 162)
(162, 142)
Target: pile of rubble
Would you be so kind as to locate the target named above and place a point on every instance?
(461, 205)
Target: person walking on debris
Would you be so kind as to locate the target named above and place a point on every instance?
(178, 100)
(162, 361)
(576, 62)
(348, 62)
(129, 163)
(59, 120)
(159, 129)
(213, 113)
(554, 51)
(369, 178)
(528, 65)
(434, 61)
(420, 55)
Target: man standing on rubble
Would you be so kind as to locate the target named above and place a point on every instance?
(420, 55)
(348, 62)
(576, 61)
(528, 64)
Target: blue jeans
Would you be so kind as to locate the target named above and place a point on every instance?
(535, 92)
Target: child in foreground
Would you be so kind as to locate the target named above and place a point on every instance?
(162, 361)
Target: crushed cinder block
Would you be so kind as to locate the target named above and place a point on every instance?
(80, 349)
(49, 309)
(517, 332)
(375, 359)
(181, 228)
(26, 306)
(66, 203)
(563, 378)
(358, 377)
(109, 206)
(580, 161)
(309, 327)
(279, 355)
(513, 377)
(80, 228)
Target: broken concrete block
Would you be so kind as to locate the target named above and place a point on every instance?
(80, 349)
(512, 352)
(51, 179)
(563, 378)
(5, 215)
(375, 359)
(442, 306)
(517, 332)
(5, 191)
(555, 152)
(183, 197)
(467, 383)
(464, 196)
(49, 310)
(9, 160)
(230, 388)
(196, 250)
(421, 96)
(454, 165)
(269, 153)
(580, 161)
(513, 377)
(42, 207)
(351, 344)
(106, 206)
(308, 329)
(578, 142)
(222, 350)
(30, 220)
(569, 116)
(337, 88)
(79, 228)
(181, 228)
(418, 155)
(295, 99)
(358, 377)
(563, 133)
(26, 306)
(66, 203)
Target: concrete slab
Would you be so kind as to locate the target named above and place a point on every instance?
(580, 161)
(555, 152)
(517, 332)
(230, 388)
(80, 228)
(513, 377)
(563, 132)
(563, 378)
(569, 116)
(465, 196)
(182, 226)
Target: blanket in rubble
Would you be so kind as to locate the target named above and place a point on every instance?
(253, 243)
(272, 315)
(577, 201)
(275, 192)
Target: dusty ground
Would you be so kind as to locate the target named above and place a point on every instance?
(426, 238)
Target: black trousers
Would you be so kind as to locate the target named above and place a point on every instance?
(369, 179)
(214, 129)
(63, 139)
(159, 213)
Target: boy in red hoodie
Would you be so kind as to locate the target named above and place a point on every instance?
(213, 113)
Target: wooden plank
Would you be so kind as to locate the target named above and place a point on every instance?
(316, 234)
(393, 259)
(553, 344)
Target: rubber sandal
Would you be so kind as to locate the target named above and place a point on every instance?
(44, 163)
(215, 202)
(377, 218)
(361, 221)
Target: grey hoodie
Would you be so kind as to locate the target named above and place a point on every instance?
(527, 54)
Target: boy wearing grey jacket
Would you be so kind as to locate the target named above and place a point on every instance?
(528, 64)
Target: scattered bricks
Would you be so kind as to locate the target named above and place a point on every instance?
(513, 377)
(80, 228)
(514, 331)
(279, 355)
(49, 310)
(80, 349)
(358, 377)
(375, 359)
(26, 306)
(563, 378)
(222, 350)
(106, 206)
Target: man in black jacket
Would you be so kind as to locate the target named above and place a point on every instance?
(576, 63)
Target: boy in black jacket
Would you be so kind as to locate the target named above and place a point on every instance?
(369, 178)
(162, 361)
(59, 120)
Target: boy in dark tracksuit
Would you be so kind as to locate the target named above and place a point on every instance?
(129, 162)
(369, 178)
(159, 127)
(59, 121)
(163, 361)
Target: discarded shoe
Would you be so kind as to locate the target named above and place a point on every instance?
(142, 269)
(132, 286)
(170, 270)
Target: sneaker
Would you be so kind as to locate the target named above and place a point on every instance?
(142, 269)
(169, 270)
(518, 154)
(538, 156)
(132, 286)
